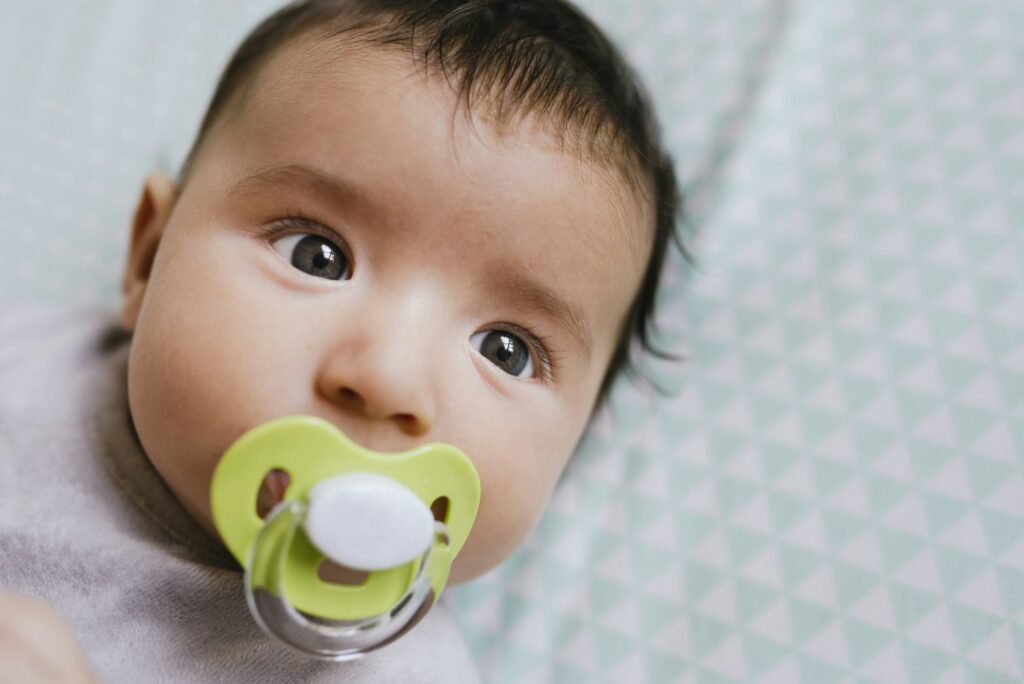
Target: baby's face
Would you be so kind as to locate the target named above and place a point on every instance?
(349, 247)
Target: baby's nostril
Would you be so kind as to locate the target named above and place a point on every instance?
(440, 509)
(350, 395)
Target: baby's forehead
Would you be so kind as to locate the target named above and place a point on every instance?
(313, 100)
(306, 65)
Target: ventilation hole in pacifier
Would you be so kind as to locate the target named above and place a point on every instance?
(335, 573)
(440, 509)
(272, 491)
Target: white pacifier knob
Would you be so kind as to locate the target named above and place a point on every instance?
(367, 521)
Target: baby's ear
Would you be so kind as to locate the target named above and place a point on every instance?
(155, 204)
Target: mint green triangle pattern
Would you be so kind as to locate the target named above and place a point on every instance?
(835, 492)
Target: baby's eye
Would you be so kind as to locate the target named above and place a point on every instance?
(504, 350)
(314, 255)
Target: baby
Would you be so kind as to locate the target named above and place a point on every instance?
(423, 221)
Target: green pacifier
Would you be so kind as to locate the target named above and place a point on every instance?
(365, 510)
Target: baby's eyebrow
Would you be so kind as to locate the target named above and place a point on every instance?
(338, 190)
(532, 293)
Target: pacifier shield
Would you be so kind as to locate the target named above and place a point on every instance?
(313, 451)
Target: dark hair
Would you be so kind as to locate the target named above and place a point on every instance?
(513, 57)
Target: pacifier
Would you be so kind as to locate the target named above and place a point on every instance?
(399, 518)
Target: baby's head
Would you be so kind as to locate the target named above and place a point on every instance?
(420, 220)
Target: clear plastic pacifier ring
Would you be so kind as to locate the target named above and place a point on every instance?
(330, 640)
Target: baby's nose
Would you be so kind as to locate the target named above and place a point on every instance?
(379, 382)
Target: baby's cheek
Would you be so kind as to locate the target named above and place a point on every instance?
(514, 492)
(168, 401)
(209, 325)
(498, 531)
(187, 387)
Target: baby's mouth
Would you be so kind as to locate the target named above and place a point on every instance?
(275, 484)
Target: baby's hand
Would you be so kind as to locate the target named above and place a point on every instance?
(36, 645)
